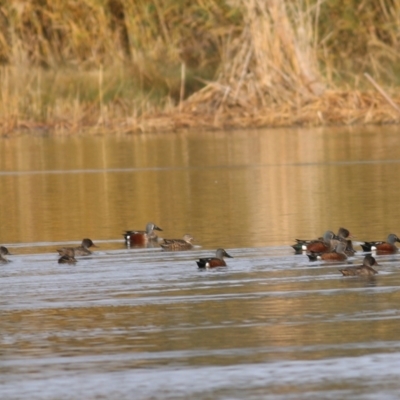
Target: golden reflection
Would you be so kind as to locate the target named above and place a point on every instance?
(228, 189)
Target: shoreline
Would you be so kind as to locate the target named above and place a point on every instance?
(218, 65)
(334, 108)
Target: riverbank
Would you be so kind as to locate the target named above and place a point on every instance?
(204, 65)
(333, 108)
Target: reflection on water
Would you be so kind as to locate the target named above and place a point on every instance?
(241, 189)
(145, 323)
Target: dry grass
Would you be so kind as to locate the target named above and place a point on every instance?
(332, 108)
(271, 77)
(120, 66)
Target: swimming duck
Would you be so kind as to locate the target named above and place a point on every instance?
(141, 238)
(361, 270)
(382, 247)
(325, 243)
(338, 254)
(320, 245)
(178, 244)
(345, 235)
(212, 262)
(82, 250)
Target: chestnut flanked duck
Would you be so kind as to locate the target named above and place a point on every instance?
(212, 262)
(320, 245)
(382, 247)
(338, 254)
(178, 244)
(325, 243)
(301, 244)
(82, 250)
(142, 238)
(4, 252)
(361, 270)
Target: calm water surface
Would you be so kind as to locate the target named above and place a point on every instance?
(146, 324)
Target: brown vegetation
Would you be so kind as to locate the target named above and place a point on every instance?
(137, 66)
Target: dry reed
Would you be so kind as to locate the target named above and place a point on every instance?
(273, 79)
(127, 66)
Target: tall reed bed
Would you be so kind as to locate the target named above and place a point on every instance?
(137, 65)
(273, 61)
(93, 63)
(273, 74)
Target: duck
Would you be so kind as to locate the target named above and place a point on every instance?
(320, 245)
(338, 254)
(67, 259)
(324, 243)
(346, 236)
(212, 262)
(382, 247)
(4, 252)
(141, 238)
(362, 270)
(178, 244)
(82, 250)
(301, 244)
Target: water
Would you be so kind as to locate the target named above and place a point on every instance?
(142, 323)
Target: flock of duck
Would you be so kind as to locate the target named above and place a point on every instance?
(338, 247)
(136, 238)
(329, 247)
